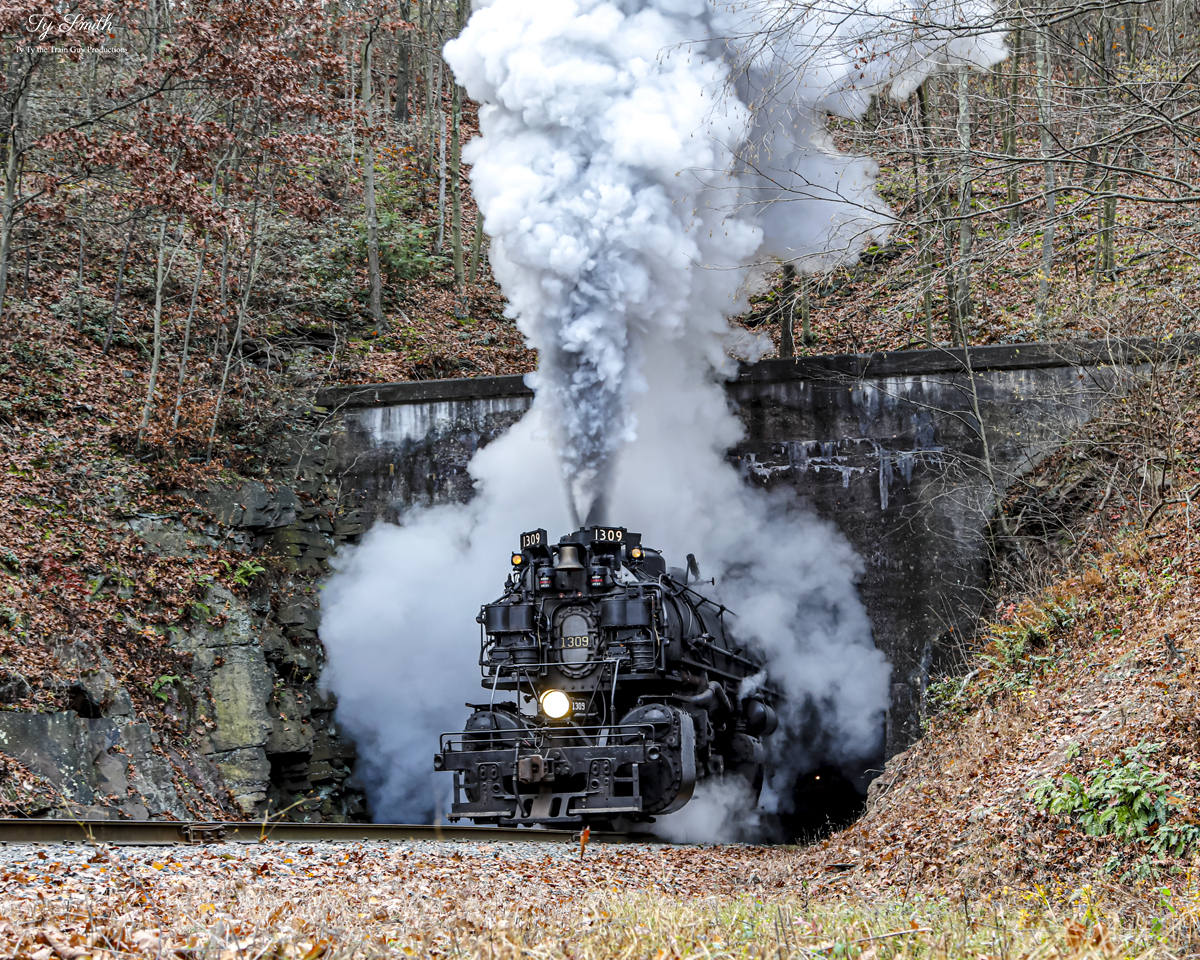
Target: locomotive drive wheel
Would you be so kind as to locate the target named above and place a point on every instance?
(667, 780)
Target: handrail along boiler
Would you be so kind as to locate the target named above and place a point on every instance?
(624, 688)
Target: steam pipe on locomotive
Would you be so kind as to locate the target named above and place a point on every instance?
(626, 690)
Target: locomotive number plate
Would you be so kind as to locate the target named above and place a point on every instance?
(608, 534)
(534, 538)
(577, 641)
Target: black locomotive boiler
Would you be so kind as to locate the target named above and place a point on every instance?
(613, 689)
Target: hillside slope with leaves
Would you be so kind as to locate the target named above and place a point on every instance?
(1066, 752)
(166, 327)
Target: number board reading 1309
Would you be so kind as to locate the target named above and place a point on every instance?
(537, 538)
(534, 538)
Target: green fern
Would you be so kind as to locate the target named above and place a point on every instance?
(1124, 798)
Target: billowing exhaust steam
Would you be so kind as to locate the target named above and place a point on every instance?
(636, 157)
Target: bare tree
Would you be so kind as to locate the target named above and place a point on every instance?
(370, 212)
(1072, 166)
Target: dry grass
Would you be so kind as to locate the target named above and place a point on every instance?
(554, 908)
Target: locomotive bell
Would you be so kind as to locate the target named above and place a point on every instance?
(568, 558)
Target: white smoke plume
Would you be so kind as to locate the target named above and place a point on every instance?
(599, 124)
(635, 157)
(794, 65)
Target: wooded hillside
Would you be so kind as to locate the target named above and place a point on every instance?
(222, 185)
(212, 208)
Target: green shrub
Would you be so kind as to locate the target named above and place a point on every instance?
(1014, 655)
(403, 248)
(1124, 798)
(244, 573)
(159, 688)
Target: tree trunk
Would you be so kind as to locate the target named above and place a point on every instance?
(351, 64)
(1132, 23)
(456, 242)
(385, 88)
(187, 333)
(373, 272)
(441, 132)
(1100, 57)
(112, 319)
(943, 222)
(966, 234)
(988, 463)
(243, 307)
(1109, 237)
(1107, 207)
(12, 168)
(926, 204)
(1047, 148)
(1010, 138)
(369, 192)
(922, 232)
(806, 334)
(82, 222)
(402, 68)
(160, 276)
(951, 278)
(430, 105)
(223, 280)
(476, 247)
(1106, 260)
(787, 308)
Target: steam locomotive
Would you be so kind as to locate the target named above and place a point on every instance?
(623, 686)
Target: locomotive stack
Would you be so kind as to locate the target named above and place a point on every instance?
(614, 687)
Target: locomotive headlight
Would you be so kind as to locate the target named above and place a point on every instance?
(555, 704)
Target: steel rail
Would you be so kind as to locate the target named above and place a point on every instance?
(168, 832)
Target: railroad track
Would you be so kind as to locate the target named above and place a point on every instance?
(168, 832)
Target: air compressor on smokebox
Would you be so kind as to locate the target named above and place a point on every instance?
(625, 686)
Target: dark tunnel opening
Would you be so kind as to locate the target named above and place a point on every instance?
(823, 800)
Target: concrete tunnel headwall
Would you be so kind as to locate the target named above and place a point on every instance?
(903, 451)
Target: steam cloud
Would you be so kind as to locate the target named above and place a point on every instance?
(636, 158)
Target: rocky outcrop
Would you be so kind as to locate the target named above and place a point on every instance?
(260, 734)
(103, 765)
(99, 759)
(230, 678)
(257, 660)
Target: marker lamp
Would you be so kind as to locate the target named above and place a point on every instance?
(517, 559)
(555, 704)
(636, 553)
